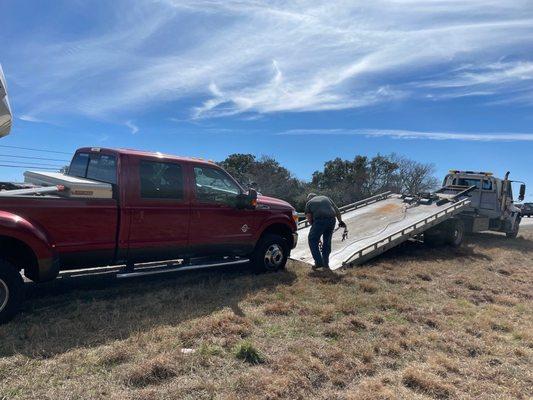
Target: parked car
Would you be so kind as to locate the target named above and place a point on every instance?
(526, 209)
(160, 207)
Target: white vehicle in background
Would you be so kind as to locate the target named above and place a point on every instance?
(5, 111)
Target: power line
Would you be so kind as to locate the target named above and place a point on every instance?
(34, 158)
(28, 166)
(34, 149)
(32, 163)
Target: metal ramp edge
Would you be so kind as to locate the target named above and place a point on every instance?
(394, 239)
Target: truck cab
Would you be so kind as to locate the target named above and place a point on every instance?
(491, 201)
(146, 207)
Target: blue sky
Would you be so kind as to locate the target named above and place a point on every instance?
(442, 81)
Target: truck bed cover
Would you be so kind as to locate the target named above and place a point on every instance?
(375, 225)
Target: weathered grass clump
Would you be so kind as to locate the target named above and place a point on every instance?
(247, 352)
(426, 383)
(150, 372)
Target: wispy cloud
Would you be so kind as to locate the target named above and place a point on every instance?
(266, 57)
(133, 128)
(29, 118)
(409, 135)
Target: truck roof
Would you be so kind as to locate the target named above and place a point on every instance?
(142, 153)
(476, 173)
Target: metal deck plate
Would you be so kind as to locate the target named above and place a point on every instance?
(377, 227)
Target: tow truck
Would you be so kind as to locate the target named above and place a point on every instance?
(467, 202)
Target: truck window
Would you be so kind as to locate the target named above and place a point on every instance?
(78, 166)
(487, 185)
(469, 182)
(103, 168)
(160, 180)
(215, 186)
(98, 167)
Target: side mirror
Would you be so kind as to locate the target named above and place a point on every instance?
(247, 200)
(522, 194)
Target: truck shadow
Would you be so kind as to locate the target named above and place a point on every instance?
(472, 248)
(95, 310)
(418, 251)
(497, 240)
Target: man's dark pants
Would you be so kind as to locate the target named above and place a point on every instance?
(322, 227)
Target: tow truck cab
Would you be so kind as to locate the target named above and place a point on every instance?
(491, 201)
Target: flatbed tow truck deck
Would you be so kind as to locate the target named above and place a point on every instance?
(378, 224)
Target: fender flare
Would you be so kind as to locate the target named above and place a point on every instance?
(17, 227)
(277, 220)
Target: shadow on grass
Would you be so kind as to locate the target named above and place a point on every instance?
(472, 248)
(418, 251)
(91, 311)
(523, 242)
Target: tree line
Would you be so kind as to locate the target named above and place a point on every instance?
(345, 181)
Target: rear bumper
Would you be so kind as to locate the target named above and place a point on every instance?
(294, 240)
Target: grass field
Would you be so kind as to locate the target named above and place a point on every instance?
(417, 323)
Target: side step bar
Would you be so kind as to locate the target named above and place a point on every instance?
(163, 270)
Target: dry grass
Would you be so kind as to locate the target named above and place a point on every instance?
(417, 323)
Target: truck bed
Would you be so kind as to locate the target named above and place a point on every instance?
(376, 225)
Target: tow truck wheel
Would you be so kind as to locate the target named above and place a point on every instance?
(514, 233)
(11, 291)
(455, 232)
(270, 254)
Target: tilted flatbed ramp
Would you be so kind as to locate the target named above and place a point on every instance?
(376, 225)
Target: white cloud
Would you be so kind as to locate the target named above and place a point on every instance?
(29, 118)
(134, 128)
(406, 134)
(236, 56)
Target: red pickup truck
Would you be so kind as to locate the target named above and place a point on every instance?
(162, 208)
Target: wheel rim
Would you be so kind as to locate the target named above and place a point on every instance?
(4, 295)
(273, 256)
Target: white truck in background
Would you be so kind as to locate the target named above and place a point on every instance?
(5, 110)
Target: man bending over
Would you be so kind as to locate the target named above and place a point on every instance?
(321, 211)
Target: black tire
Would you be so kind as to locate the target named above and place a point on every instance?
(11, 291)
(455, 232)
(270, 254)
(514, 233)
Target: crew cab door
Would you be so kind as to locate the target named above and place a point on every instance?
(217, 225)
(158, 209)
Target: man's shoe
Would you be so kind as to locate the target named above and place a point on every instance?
(316, 267)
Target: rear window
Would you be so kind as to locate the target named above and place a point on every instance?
(78, 166)
(98, 167)
(467, 182)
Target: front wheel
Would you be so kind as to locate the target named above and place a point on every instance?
(11, 291)
(512, 234)
(270, 254)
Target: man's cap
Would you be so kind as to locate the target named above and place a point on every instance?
(310, 196)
